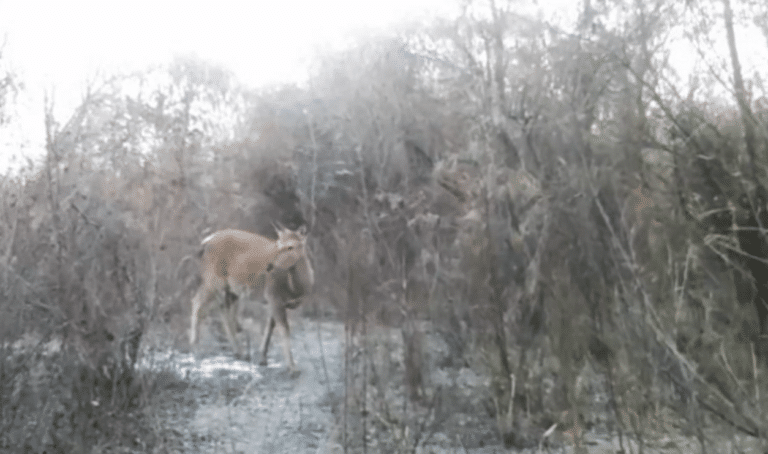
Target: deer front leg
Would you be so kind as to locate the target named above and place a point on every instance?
(277, 317)
(269, 323)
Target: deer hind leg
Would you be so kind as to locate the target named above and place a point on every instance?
(281, 319)
(200, 303)
(231, 301)
(269, 325)
(229, 320)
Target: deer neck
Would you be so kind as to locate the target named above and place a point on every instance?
(300, 278)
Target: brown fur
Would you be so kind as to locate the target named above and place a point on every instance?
(241, 264)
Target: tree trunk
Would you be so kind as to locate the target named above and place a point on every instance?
(739, 91)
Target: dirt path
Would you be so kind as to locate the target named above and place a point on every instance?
(211, 403)
(242, 407)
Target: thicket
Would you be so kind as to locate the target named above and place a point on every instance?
(543, 199)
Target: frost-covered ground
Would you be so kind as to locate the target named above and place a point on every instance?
(213, 403)
(243, 407)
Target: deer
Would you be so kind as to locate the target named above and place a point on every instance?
(237, 265)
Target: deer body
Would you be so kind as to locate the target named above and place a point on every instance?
(238, 264)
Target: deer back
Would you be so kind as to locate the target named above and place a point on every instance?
(243, 258)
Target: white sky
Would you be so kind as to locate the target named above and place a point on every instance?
(63, 44)
(260, 40)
